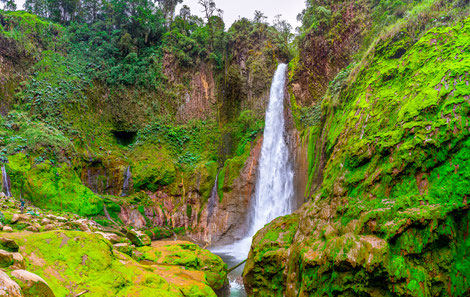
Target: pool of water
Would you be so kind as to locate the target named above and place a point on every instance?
(235, 277)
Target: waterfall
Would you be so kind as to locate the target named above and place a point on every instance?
(5, 182)
(274, 188)
(125, 185)
(212, 203)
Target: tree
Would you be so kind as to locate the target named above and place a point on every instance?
(9, 4)
(38, 7)
(185, 12)
(168, 8)
(283, 27)
(210, 10)
(260, 18)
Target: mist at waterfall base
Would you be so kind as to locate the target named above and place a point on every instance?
(274, 185)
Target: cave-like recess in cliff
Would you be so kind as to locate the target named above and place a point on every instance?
(125, 138)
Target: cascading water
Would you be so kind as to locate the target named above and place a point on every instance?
(274, 186)
(212, 203)
(5, 182)
(125, 185)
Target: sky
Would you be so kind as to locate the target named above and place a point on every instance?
(233, 9)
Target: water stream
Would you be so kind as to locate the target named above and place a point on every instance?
(274, 186)
(5, 182)
(125, 185)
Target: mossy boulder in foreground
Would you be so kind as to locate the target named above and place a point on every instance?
(190, 256)
(31, 284)
(72, 262)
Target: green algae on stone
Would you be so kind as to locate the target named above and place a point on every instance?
(55, 187)
(152, 170)
(191, 257)
(391, 217)
(72, 262)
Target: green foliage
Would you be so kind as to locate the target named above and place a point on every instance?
(188, 144)
(58, 83)
(310, 116)
(55, 187)
(157, 233)
(30, 33)
(244, 131)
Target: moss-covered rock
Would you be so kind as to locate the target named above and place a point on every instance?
(72, 262)
(190, 256)
(264, 273)
(31, 284)
(55, 187)
(152, 169)
(391, 217)
(8, 286)
(138, 238)
(8, 244)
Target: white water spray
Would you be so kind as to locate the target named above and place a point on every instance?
(274, 186)
(5, 182)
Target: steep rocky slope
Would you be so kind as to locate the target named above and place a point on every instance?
(145, 157)
(389, 215)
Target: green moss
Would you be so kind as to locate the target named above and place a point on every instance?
(152, 170)
(78, 261)
(52, 187)
(190, 256)
(231, 171)
(157, 233)
(269, 245)
(391, 218)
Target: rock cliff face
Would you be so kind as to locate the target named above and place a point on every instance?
(391, 215)
(225, 222)
(146, 157)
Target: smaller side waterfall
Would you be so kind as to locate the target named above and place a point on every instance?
(212, 203)
(5, 182)
(127, 179)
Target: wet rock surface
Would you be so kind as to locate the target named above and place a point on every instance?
(391, 216)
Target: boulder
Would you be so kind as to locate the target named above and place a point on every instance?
(50, 227)
(45, 221)
(8, 244)
(8, 287)
(32, 284)
(55, 218)
(8, 259)
(82, 225)
(18, 261)
(113, 238)
(20, 218)
(138, 238)
(124, 248)
(7, 229)
(32, 228)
